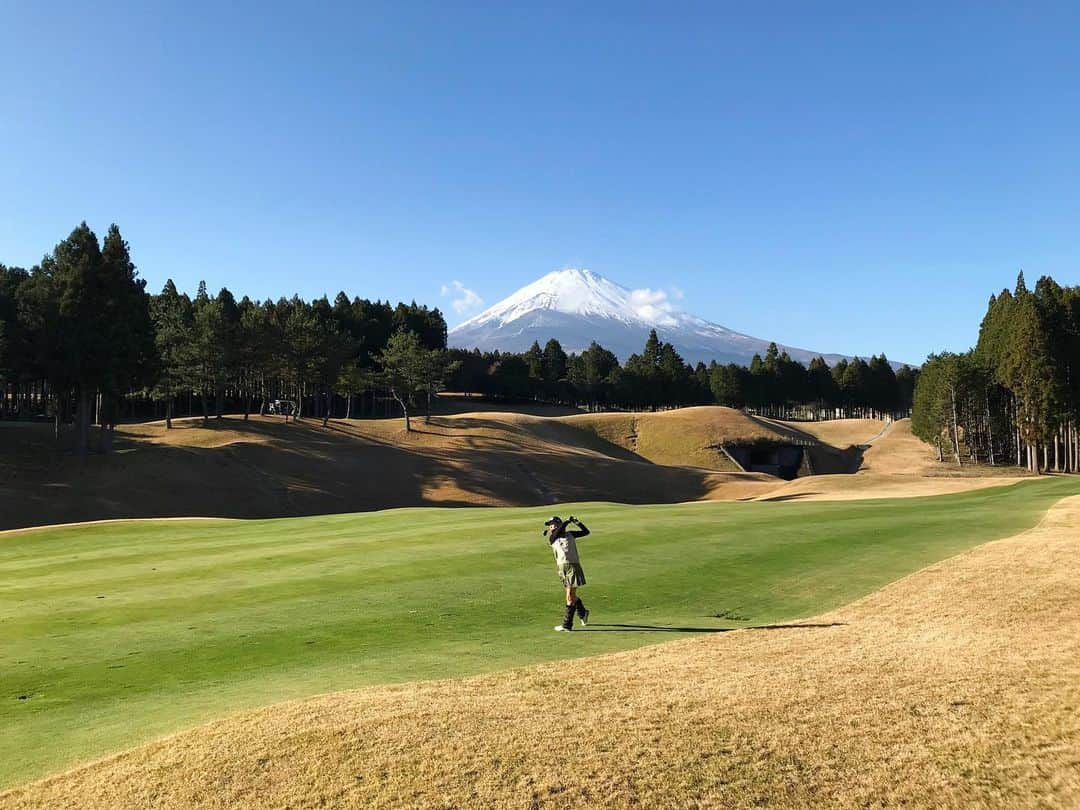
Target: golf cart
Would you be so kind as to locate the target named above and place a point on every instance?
(282, 407)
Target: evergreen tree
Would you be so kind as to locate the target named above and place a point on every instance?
(410, 369)
(821, 386)
(553, 362)
(534, 359)
(173, 320)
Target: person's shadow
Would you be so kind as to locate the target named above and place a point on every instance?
(656, 628)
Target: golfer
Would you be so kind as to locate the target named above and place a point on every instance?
(564, 544)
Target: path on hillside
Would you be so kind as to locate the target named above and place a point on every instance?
(788, 427)
(881, 434)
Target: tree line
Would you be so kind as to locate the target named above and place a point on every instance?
(1015, 397)
(658, 377)
(83, 342)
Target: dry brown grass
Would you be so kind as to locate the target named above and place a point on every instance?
(688, 436)
(265, 468)
(957, 686)
(900, 452)
(861, 486)
(840, 432)
(895, 465)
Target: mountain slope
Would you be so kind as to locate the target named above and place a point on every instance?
(578, 306)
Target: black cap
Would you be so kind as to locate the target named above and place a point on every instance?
(553, 519)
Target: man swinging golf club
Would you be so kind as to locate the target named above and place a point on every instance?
(564, 544)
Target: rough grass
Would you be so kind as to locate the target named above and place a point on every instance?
(265, 468)
(895, 465)
(954, 687)
(113, 634)
(839, 433)
(687, 436)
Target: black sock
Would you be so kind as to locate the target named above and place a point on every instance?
(568, 616)
(580, 607)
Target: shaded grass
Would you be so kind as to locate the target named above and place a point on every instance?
(112, 634)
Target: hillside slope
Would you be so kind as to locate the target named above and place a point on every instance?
(953, 687)
(264, 468)
(894, 464)
(687, 436)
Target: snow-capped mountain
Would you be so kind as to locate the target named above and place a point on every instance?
(577, 307)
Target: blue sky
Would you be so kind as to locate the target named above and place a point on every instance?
(843, 177)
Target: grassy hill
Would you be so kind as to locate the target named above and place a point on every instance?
(687, 436)
(265, 468)
(113, 634)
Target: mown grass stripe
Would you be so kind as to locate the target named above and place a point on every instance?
(240, 614)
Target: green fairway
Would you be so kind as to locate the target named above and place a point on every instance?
(113, 634)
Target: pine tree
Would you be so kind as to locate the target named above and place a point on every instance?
(409, 369)
(173, 332)
(82, 328)
(553, 362)
(534, 359)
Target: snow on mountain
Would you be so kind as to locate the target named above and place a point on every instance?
(577, 307)
(576, 292)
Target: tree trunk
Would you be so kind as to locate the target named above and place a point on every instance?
(105, 438)
(348, 405)
(84, 420)
(205, 408)
(1016, 432)
(168, 414)
(956, 429)
(404, 407)
(247, 405)
(990, 434)
(1072, 447)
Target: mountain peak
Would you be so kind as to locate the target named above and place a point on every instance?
(574, 291)
(577, 306)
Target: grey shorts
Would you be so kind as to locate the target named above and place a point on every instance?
(572, 575)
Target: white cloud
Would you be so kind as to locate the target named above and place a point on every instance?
(654, 306)
(465, 300)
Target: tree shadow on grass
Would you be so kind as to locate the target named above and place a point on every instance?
(655, 628)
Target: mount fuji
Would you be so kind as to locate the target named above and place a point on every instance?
(577, 307)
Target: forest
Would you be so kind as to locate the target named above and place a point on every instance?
(774, 385)
(82, 343)
(1015, 397)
